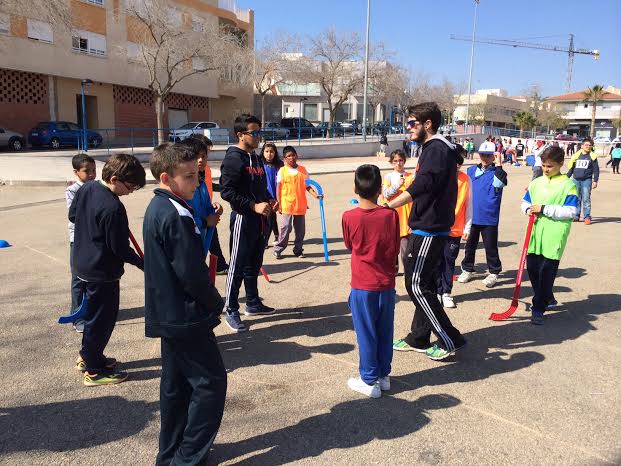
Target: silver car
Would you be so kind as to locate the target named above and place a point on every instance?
(272, 131)
(11, 139)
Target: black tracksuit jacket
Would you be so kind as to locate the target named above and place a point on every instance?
(180, 301)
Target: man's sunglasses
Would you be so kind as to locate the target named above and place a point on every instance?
(255, 134)
(413, 123)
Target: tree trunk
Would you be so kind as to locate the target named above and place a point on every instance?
(263, 109)
(159, 113)
(593, 112)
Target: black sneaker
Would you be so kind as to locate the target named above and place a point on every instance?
(233, 320)
(223, 271)
(260, 310)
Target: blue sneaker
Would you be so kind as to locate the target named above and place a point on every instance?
(259, 310)
(536, 319)
(233, 320)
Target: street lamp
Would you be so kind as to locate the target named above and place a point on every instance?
(474, 33)
(300, 122)
(85, 82)
(366, 75)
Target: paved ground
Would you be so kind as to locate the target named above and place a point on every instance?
(518, 394)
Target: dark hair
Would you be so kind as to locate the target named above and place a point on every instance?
(287, 149)
(242, 122)
(368, 181)
(194, 144)
(79, 160)
(618, 145)
(166, 157)
(554, 153)
(460, 154)
(588, 140)
(427, 111)
(126, 168)
(276, 160)
(202, 138)
(397, 153)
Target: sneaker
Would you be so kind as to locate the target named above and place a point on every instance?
(92, 380)
(275, 243)
(223, 271)
(490, 280)
(447, 301)
(402, 345)
(439, 296)
(465, 276)
(233, 320)
(78, 326)
(80, 364)
(536, 319)
(260, 310)
(384, 383)
(278, 255)
(553, 304)
(587, 221)
(299, 256)
(357, 385)
(437, 353)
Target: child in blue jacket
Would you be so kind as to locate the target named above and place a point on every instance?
(272, 163)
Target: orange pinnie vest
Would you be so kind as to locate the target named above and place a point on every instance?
(461, 206)
(293, 191)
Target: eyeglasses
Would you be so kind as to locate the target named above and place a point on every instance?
(413, 123)
(130, 188)
(255, 134)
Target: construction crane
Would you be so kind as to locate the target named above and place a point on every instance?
(570, 51)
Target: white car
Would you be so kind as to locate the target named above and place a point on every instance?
(616, 140)
(193, 127)
(602, 140)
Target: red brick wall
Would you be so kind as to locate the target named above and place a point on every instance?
(24, 100)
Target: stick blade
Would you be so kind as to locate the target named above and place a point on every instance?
(77, 313)
(504, 315)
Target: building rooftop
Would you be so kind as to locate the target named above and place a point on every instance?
(580, 95)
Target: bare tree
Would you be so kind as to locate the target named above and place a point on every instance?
(271, 65)
(55, 12)
(172, 50)
(388, 86)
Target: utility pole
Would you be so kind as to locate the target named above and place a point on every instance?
(474, 34)
(366, 75)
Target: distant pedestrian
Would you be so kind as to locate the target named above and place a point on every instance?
(616, 158)
(383, 143)
(584, 168)
(571, 148)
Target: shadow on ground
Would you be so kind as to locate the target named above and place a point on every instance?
(67, 425)
(346, 425)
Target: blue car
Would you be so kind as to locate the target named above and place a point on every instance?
(57, 134)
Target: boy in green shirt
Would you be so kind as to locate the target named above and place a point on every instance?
(554, 199)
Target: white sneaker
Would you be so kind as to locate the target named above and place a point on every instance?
(439, 296)
(447, 301)
(490, 280)
(465, 277)
(384, 383)
(357, 385)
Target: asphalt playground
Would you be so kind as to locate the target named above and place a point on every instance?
(517, 394)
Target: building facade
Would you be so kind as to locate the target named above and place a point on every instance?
(489, 107)
(578, 113)
(41, 70)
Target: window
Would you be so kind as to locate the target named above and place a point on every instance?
(134, 51)
(310, 112)
(206, 125)
(89, 43)
(5, 23)
(38, 30)
(62, 127)
(95, 2)
(73, 127)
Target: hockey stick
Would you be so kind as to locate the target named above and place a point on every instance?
(136, 245)
(265, 275)
(317, 186)
(518, 280)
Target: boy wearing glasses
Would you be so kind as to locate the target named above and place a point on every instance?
(243, 184)
(101, 248)
(434, 196)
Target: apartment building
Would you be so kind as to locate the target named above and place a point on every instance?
(489, 107)
(41, 70)
(578, 113)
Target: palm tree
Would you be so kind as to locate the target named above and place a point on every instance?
(524, 120)
(593, 96)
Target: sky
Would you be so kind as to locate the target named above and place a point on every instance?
(418, 33)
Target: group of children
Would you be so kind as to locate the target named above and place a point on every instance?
(440, 205)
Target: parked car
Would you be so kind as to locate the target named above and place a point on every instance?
(14, 141)
(616, 140)
(565, 137)
(334, 130)
(61, 133)
(272, 130)
(193, 127)
(352, 126)
(305, 127)
(601, 140)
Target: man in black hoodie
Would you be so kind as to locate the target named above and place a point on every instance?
(433, 195)
(182, 307)
(243, 184)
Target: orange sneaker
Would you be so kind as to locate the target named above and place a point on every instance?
(587, 221)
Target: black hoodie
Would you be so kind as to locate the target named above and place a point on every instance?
(434, 190)
(242, 180)
(180, 301)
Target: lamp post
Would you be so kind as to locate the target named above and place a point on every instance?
(474, 33)
(300, 122)
(85, 82)
(366, 74)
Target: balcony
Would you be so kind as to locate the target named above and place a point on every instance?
(231, 5)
